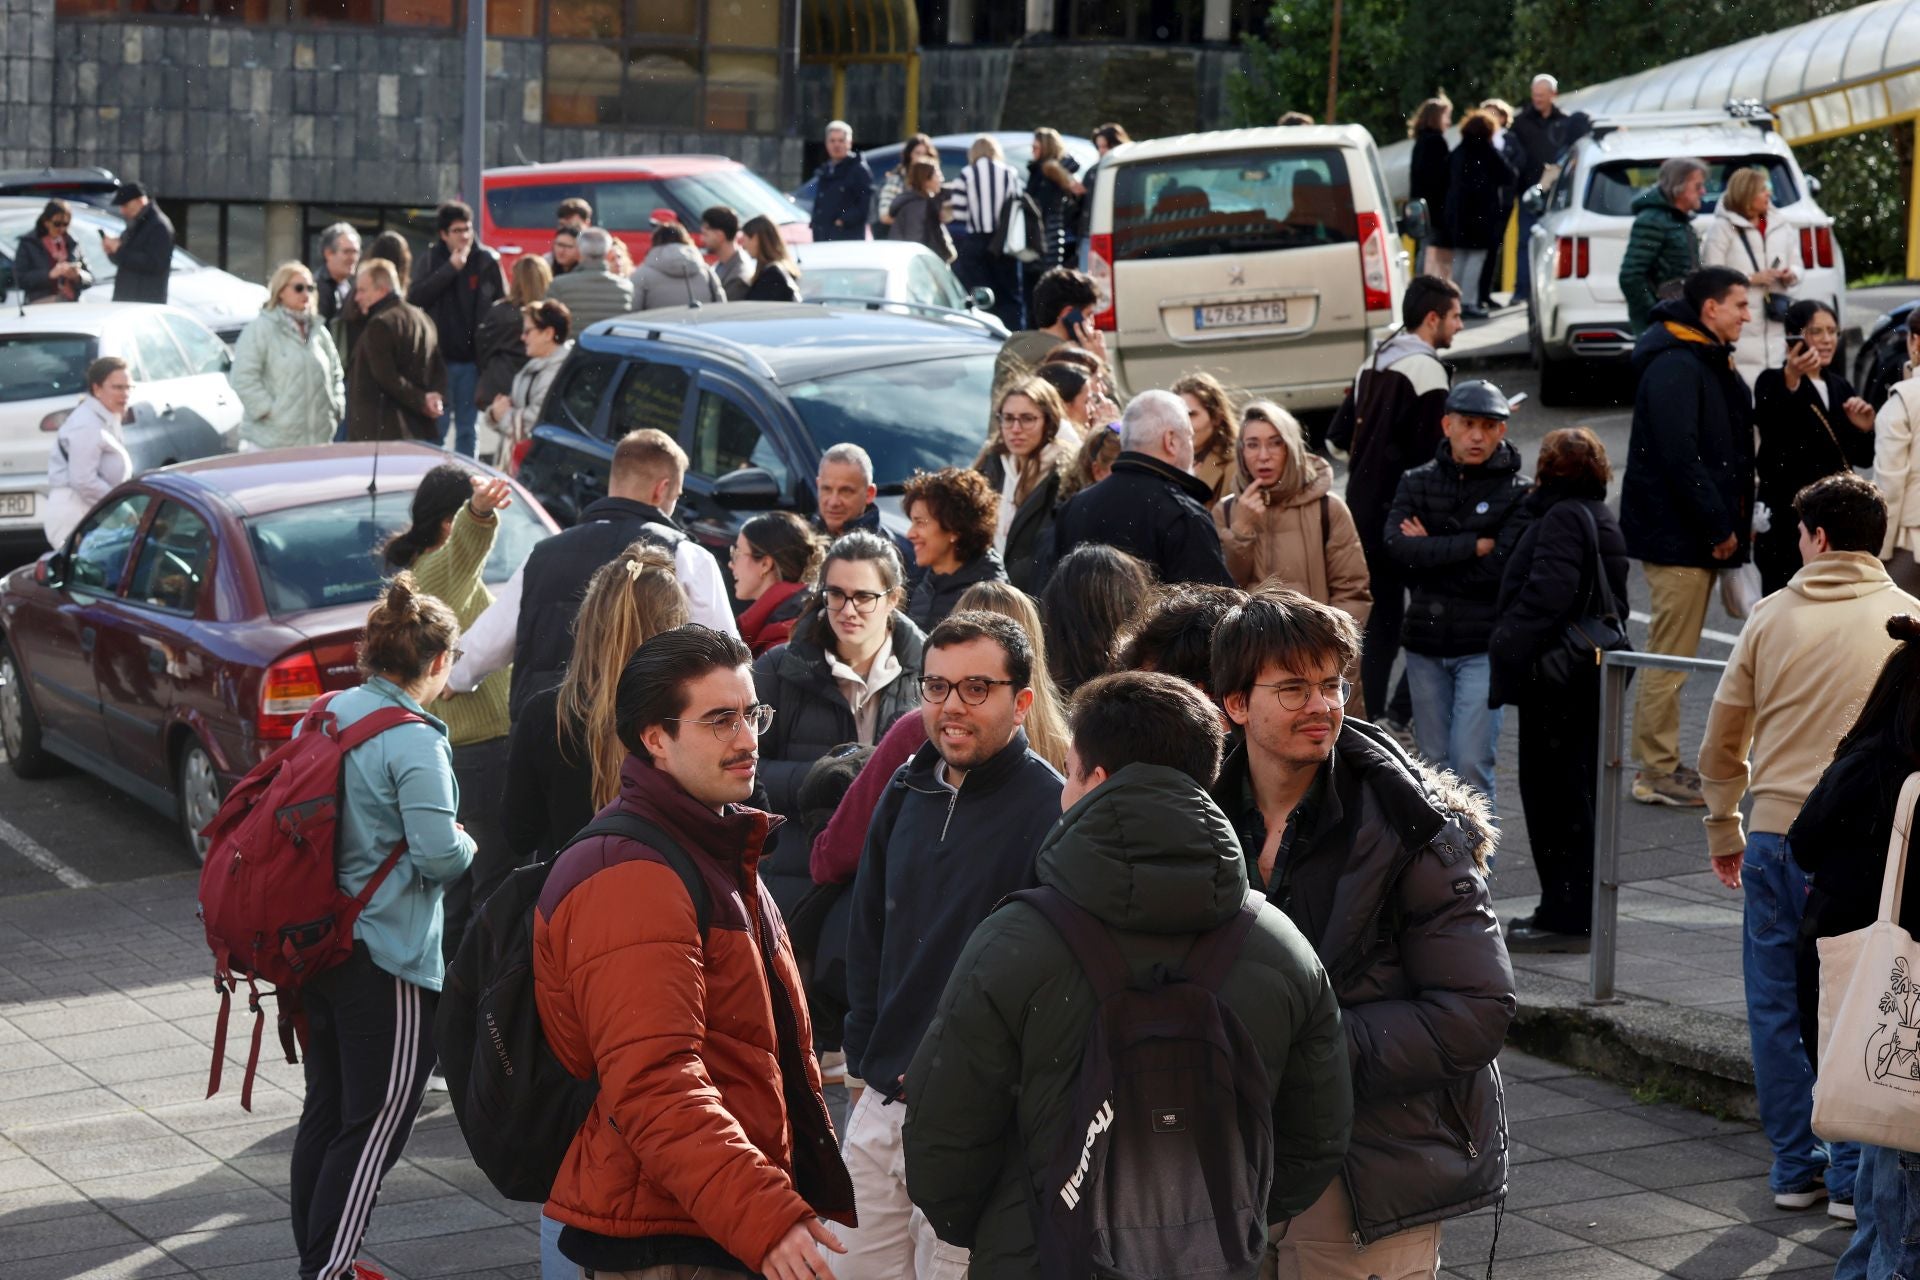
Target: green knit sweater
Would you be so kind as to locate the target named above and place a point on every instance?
(451, 572)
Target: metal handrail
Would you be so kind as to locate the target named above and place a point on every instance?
(1606, 844)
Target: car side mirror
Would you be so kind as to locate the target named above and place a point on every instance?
(226, 359)
(1534, 201)
(747, 487)
(1813, 185)
(1415, 220)
(982, 298)
(51, 571)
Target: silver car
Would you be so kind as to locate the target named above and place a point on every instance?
(896, 270)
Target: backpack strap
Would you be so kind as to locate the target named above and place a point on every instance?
(1216, 950)
(373, 724)
(677, 858)
(1099, 956)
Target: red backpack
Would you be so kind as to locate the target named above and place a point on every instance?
(270, 896)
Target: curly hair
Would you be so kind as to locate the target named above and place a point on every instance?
(1213, 398)
(1574, 457)
(961, 502)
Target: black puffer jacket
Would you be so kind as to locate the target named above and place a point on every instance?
(1451, 613)
(990, 1092)
(1030, 536)
(1550, 581)
(1387, 880)
(1689, 480)
(935, 594)
(1152, 511)
(1429, 173)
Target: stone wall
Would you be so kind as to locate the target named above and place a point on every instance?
(26, 82)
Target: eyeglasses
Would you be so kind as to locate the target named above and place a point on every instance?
(457, 654)
(1021, 419)
(60, 225)
(863, 602)
(298, 287)
(973, 690)
(726, 726)
(1294, 694)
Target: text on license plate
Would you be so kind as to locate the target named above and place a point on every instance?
(16, 505)
(1229, 315)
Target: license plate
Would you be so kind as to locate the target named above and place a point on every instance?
(16, 506)
(1236, 315)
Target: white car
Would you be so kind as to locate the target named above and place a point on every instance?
(182, 405)
(1577, 313)
(223, 302)
(897, 270)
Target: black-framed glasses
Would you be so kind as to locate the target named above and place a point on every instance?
(727, 725)
(457, 654)
(1294, 694)
(863, 602)
(973, 690)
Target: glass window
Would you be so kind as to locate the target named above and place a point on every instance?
(728, 438)
(745, 192)
(667, 18)
(102, 542)
(358, 12)
(583, 85)
(40, 366)
(513, 18)
(583, 382)
(158, 358)
(1233, 202)
(205, 353)
(929, 282)
(421, 13)
(84, 8)
(248, 11)
(743, 92)
(174, 560)
(663, 87)
(588, 19)
(843, 282)
(1618, 183)
(863, 408)
(246, 244)
(199, 230)
(629, 206)
(743, 22)
(651, 395)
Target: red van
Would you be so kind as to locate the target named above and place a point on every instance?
(517, 215)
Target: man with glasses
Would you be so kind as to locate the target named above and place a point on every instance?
(1381, 862)
(956, 831)
(708, 1148)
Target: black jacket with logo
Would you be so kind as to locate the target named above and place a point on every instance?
(457, 300)
(1452, 613)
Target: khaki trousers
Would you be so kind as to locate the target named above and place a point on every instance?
(1680, 595)
(1318, 1245)
(894, 1240)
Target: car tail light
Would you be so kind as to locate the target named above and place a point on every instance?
(1823, 242)
(53, 420)
(286, 691)
(1374, 279)
(1100, 267)
(1562, 258)
(1807, 257)
(1572, 258)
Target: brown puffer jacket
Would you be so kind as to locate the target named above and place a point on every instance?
(691, 1138)
(1285, 542)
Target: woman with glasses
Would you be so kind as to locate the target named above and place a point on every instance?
(286, 370)
(951, 518)
(543, 337)
(775, 560)
(1024, 462)
(46, 263)
(446, 547)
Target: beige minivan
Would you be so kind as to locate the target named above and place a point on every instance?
(1267, 257)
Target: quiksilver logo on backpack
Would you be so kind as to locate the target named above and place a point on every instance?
(1099, 1124)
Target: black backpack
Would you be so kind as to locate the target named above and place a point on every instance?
(518, 1107)
(1168, 1162)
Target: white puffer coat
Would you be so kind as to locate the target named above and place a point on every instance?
(1763, 342)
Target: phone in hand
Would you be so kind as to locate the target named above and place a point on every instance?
(1073, 319)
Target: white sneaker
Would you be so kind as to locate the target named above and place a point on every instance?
(1841, 1211)
(1805, 1198)
(437, 1082)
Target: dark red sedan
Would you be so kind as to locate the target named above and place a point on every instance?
(194, 614)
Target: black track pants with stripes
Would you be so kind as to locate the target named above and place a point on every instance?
(369, 1049)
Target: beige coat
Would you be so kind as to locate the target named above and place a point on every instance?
(1893, 465)
(1284, 544)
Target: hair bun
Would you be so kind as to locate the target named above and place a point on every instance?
(402, 598)
(1904, 627)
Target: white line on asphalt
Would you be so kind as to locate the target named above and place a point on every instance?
(36, 853)
(1718, 637)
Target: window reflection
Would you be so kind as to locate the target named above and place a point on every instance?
(583, 84)
(663, 87)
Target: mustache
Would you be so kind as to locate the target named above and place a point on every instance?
(739, 758)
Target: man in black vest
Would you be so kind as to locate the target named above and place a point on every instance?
(531, 619)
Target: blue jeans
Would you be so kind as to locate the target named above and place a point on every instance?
(1451, 721)
(1886, 1241)
(1776, 901)
(553, 1263)
(462, 379)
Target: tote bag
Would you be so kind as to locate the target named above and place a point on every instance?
(1869, 1084)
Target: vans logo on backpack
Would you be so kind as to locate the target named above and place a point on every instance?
(1174, 1121)
(1099, 1125)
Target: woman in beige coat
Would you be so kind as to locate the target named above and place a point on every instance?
(1285, 524)
(1894, 468)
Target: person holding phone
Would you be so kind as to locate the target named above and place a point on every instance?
(1811, 424)
(1766, 250)
(1063, 303)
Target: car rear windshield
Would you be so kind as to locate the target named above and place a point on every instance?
(628, 204)
(40, 366)
(843, 282)
(912, 416)
(1233, 202)
(328, 553)
(1617, 183)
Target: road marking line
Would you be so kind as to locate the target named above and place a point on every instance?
(1718, 637)
(36, 853)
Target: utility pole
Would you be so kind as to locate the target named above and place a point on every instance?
(1333, 66)
(474, 107)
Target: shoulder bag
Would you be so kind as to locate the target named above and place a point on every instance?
(1868, 1088)
(1778, 303)
(1591, 635)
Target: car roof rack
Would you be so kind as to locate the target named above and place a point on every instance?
(1736, 111)
(870, 303)
(703, 339)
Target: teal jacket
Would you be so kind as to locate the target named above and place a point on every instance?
(400, 785)
(1660, 248)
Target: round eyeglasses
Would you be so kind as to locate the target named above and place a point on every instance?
(863, 602)
(1295, 694)
(727, 725)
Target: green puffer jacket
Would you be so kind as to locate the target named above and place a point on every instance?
(1662, 247)
(989, 1092)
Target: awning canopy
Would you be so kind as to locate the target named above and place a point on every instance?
(843, 31)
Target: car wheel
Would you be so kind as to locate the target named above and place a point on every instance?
(20, 724)
(196, 795)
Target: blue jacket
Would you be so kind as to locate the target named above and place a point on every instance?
(936, 862)
(400, 784)
(842, 196)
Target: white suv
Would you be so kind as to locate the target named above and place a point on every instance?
(1268, 257)
(1577, 313)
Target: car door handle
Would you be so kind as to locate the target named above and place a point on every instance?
(86, 639)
